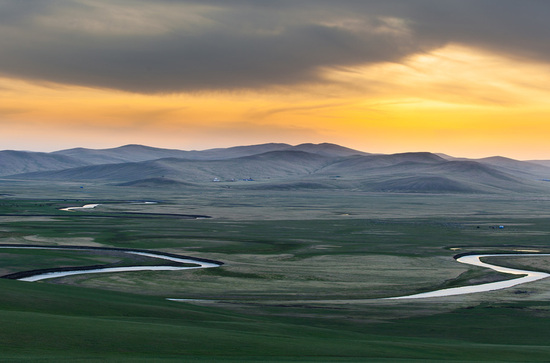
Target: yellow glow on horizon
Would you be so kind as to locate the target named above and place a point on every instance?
(456, 100)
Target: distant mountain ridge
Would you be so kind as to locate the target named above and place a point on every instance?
(16, 162)
(278, 166)
(126, 153)
(136, 153)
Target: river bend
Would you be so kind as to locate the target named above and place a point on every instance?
(529, 276)
(475, 260)
(52, 273)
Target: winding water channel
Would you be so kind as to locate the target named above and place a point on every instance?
(38, 275)
(475, 260)
(87, 206)
(529, 276)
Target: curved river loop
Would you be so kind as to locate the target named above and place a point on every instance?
(475, 260)
(43, 274)
(38, 275)
(466, 258)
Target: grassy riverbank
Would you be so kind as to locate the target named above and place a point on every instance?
(67, 323)
(301, 276)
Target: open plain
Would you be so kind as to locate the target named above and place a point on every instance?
(304, 276)
(274, 181)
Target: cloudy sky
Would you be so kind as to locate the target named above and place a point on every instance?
(464, 77)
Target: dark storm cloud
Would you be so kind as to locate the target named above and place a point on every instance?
(513, 28)
(173, 46)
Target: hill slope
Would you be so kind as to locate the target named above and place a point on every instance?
(16, 162)
(137, 153)
(280, 167)
(122, 154)
(276, 164)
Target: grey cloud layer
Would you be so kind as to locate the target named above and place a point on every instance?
(182, 46)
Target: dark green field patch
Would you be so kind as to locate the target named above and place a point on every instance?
(296, 267)
(74, 323)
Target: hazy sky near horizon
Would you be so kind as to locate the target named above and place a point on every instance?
(463, 77)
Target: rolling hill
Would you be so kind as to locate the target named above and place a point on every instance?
(279, 167)
(16, 162)
(122, 154)
(274, 164)
(137, 153)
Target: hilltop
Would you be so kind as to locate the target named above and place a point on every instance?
(279, 166)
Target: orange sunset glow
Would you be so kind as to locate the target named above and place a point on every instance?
(367, 76)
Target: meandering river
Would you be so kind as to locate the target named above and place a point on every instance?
(530, 276)
(38, 275)
(87, 206)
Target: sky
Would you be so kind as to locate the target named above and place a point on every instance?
(463, 77)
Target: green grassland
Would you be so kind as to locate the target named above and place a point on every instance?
(302, 277)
